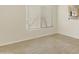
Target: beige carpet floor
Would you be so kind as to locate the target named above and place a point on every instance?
(52, 44)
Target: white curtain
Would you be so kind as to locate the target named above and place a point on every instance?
(47, 16)
(39, 17)
(34, 16)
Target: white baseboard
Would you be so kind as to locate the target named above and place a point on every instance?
(30, 38)
(75, 37)
(38, 36)
(34, 37)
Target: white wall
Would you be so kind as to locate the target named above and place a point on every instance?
(65, 26)
(13, 25)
